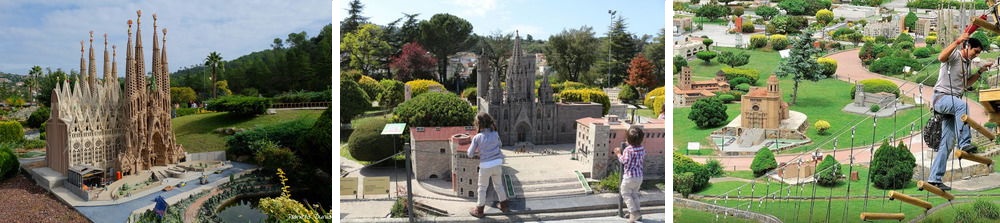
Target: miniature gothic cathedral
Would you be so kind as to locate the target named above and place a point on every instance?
(97, 124)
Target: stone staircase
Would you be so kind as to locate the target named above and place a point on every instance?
(547, 188)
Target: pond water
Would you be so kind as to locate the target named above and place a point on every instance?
(242, 210)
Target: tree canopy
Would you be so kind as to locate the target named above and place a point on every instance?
(444, 35)
(571, 52)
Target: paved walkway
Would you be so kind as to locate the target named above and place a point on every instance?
(850, 69)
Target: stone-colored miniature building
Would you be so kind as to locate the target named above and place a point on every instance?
(688, 46)
(432, 150)
(519, 115)
(465, 169)
(97, 124)
(763, 107)
(686, 92)
(865, 100)
(682, 25)
(596, 139)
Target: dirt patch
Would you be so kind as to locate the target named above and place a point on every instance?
(21, 200)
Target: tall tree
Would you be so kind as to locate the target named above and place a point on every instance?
(444, 35)
(367, 48)
(801, 64)
(766, 12)
(32, 82)
(656, 53)
(621, 45)
(640, 73)
(413, 63)
(734, 59)
(214, 61)
(571, 52)
(354, 19)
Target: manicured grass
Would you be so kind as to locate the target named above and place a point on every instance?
(195, 132)
(816, 210)
(648, 113)
(764, 61)
(703, 20)
(692, 215)
(745, 174)
(762, 187)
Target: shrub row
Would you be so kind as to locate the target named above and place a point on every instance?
(240, 105)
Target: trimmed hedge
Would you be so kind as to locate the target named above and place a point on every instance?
(778, 41)
(876, 85)
(418, 87)
(11, 131)
(758, 40)
(366, 142)
(434, 109)
(922, 52)
(284, 134)
(392, 93)
(684, 164)
(303, 96)
(371, 87)
(655, 93)
(763, 162)
(829, 65)
(240, 105)
(894, 65)
(749, 73)
(892, 166)
(587, 95)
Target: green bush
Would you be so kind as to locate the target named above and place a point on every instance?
(763, 162)
(655, 93)
(352, 75)
(706, 55)
(353, 101)
(371, 87)
(271, 157)
(34, 144)
(828, 172)
(874, 108)
(392, 93)
(922, 52)
(708, 112)
(434, 109)
(611, 182)
(182, 95)
(418, 87)
(987, 209)
(758, 40)
(39, 117)
(186, 111)
(684, 183)
(829, 65)
(366, 142)
(732, 73)
(726, 98)
(739, 80)
(240, 105)
(876, 85)
(714, 168)
(628, 94)
(893, 65)
(8, 161)
(658, 105)
(285, 134)
(892, 166)
(778, 41)
(966, 215)
(303, 96)
(11, 131)
(684, 164)
(743, 87)
(587, 95)
(747, 27)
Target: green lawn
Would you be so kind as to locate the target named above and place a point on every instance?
(195, 132)
(703, 20)
(745, 174)
(822, 100)
(762, 187)
(692, 215)
(816, 210)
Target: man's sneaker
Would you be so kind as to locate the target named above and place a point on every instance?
(970, 149)
(941, 186)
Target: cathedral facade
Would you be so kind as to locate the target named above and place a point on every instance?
(520, 116)
(97, 124)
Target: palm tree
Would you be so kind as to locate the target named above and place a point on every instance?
(214, 60)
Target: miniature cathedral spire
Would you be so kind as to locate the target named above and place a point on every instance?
(92, 69)
(156, 53)
(83, 56)
(107, 61)
(165, 84)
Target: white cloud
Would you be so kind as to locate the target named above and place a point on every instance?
(477, 8)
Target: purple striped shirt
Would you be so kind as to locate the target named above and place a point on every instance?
(631, 159)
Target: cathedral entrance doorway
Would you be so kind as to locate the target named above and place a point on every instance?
(159, 155)
(523, 130)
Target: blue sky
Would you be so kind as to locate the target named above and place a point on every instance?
(538, 18)
(48, 33)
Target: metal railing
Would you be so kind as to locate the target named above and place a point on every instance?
(301, 104)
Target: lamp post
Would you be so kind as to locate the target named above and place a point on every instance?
(612, 12)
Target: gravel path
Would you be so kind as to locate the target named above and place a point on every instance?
(21, 200)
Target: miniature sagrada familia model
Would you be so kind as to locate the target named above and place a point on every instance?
(97, 125)
(520, 117)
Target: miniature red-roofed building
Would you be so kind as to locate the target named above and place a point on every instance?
(597, 138)
(431, 149)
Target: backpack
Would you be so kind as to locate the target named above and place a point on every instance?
(932, 131)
